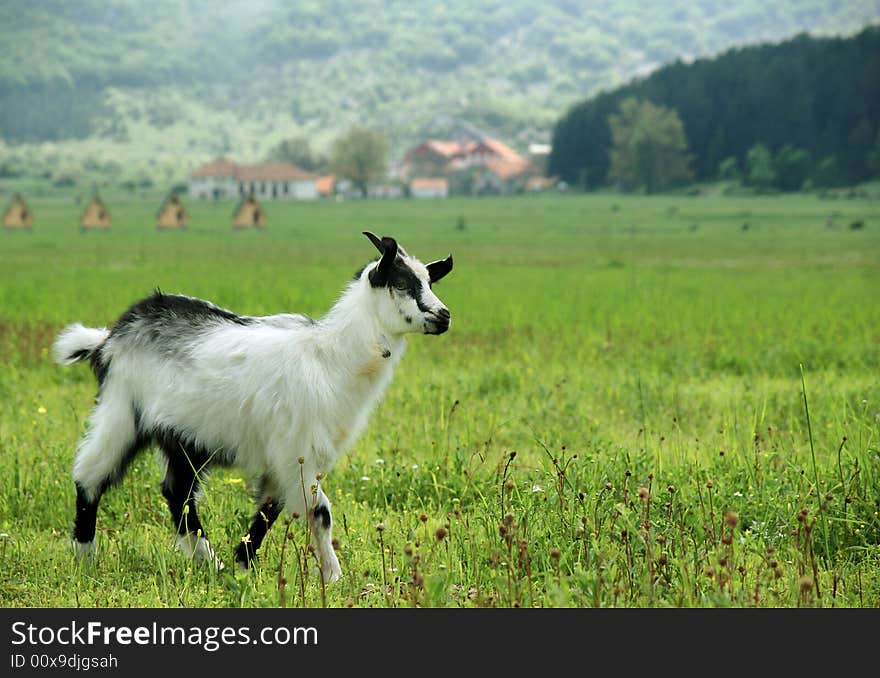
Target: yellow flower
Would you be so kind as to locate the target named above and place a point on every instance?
(41, 409)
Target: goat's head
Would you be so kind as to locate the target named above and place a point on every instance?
(403, 289)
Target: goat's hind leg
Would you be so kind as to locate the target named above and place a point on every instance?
(102, 456)
(180, 488)
(267, 513)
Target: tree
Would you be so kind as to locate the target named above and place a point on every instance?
(792, 166)
(728, 170)
(297, 151)
(360, 155)
(759, 167)
(827, 173)
(649, 149)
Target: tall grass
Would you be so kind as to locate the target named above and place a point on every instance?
(639, 404)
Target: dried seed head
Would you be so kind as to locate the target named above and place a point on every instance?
(335, 544)
(440, 534)
(554, 553)
(608, 486)
(380, 527)
(295, 515)
(508, 519)
(661, 539)
(805, 584)
(732, 518)
(423, 518)
(627, 473)
(709, 484)
(671, 489)
(407, 550)
(301, 459)
(643, 493)
(773, 564)
(509, 484)
(663, 560)
(727, 539)
(778, 573)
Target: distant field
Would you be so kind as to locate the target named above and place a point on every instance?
(641, 356)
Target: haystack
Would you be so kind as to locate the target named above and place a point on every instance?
(95, 215)
(17, 214)
(172, 214)
(249, 214)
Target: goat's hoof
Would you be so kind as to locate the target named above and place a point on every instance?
(197, 548)
(85, 550)
(331, 572)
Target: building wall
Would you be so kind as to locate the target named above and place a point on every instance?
(207, 188)
(429, 192)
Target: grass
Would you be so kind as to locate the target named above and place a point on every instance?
(642, 402)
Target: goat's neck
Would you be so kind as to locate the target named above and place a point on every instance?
(352, 331)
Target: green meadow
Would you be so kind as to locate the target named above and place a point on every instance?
(642, 402)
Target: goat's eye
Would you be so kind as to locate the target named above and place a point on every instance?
(400, 285)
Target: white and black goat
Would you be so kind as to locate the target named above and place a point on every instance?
(280, 396)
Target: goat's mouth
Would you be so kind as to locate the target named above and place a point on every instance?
(437, 323)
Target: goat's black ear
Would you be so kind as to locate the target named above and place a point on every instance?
(382, 271)
(438, 269)
(375, 240)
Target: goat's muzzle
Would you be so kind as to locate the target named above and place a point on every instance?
(438, 322)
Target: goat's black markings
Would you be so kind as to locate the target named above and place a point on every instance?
(173, 310)
(85, 518)
(246, 551)
(323, 513)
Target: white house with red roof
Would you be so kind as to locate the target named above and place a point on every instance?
(224, 179)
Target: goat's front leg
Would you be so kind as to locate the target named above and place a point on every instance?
(305, 499)
(321, 523)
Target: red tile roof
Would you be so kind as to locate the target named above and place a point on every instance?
(505, 168)
(272, 171)
(269, 171)
(217, 168)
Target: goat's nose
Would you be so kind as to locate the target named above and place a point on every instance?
(443, 314)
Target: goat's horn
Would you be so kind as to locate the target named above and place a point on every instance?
(375, 240)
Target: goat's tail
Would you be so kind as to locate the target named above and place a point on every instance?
(76, 342)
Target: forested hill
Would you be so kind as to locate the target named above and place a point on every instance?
(160, 83)
(817, 98)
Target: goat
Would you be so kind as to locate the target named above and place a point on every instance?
(281, 397)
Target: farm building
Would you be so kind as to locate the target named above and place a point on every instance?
(494, 166)
(95, 215)
(224, 179)
(172, 214)
(17, 214)
(429, 187)
(249, 214)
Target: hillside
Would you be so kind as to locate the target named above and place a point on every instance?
(817, 97)
(138, 91)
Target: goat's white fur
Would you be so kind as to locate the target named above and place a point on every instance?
(283, 395)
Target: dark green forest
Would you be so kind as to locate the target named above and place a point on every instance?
(808, 106)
